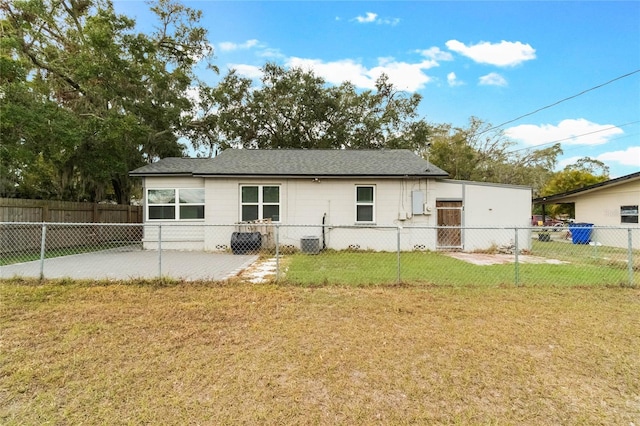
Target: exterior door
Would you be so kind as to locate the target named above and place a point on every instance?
(449, 224)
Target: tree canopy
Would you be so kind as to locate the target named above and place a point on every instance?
(584, 172)
(85, 98)
(481, 153)
(294, 108)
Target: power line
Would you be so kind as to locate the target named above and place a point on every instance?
(575, 147)
(576, 136)
(560, 101)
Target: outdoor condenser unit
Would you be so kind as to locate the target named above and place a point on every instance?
(310, 244)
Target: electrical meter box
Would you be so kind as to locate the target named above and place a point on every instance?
(417, 202)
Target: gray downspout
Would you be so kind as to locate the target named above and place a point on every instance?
(324, 241)
(463, 214)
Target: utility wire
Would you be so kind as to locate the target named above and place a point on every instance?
(575, 136)
(560, 101)
(575, 147)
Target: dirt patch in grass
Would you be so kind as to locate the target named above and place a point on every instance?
(502, 259)
(94, 353)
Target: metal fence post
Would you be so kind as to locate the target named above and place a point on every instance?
(398, 251)
(516, 252)
(43, 242)
(159, 251)
(630, 264)
(277, 253)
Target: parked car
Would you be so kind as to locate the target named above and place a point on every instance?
(536, 220)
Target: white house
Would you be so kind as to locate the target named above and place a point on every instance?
(611, 205)
(326, 190)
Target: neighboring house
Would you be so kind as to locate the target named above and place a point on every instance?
(357, 188)
(612, 203)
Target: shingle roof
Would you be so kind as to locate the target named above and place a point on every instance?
(170, 166)
(558, 198)
(298, 162)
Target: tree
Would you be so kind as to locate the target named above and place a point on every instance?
(574, 176)
(480, 153)
(103, 98)
(590, 165)
(295, 108)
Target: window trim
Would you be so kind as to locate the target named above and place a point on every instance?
(631, 213)
(176, 204)
(261, 203)
(365, 203)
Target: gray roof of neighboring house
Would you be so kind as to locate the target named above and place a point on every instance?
(298, 162)
(558, 198)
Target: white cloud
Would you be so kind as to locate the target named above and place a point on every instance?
(389, 21)
(193, 93)
(436, 54)
(628, 157)
(567, 162)
(371, 17)
(228, 46)
(271, 53)
(403, 75)
(249, 71)
(569, 132)
(335, 72)
(452, 79)
(503, 54)
(492, 79)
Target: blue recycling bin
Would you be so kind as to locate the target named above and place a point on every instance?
(580, 232)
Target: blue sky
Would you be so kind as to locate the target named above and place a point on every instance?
(494, 60)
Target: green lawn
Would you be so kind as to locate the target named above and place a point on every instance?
(585, 254)
(364, 268)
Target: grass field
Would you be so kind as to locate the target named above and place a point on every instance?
(579, 267)
(172, 353)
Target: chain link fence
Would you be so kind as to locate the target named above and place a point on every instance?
(324, 254)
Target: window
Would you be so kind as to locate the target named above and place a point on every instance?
(169, 204)
(365, 204)
(629, 214)
(260, 202)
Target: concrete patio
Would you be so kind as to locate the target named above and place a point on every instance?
(131, 263)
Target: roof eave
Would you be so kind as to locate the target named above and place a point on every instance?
(570, 195)
(145, 174)
(317, 175)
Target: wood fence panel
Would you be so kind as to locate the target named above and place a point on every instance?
(20, 210)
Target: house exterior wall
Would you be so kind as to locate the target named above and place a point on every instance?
(304, 203)
(188, 235)
(602, 208)
(487, 205)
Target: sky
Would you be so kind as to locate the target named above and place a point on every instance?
(544, 72)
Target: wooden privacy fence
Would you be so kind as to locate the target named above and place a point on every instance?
(18, 235)
(20, 210)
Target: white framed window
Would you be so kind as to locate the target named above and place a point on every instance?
(259, 202)
(629, 214)
(365, 204)
(175, 204)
